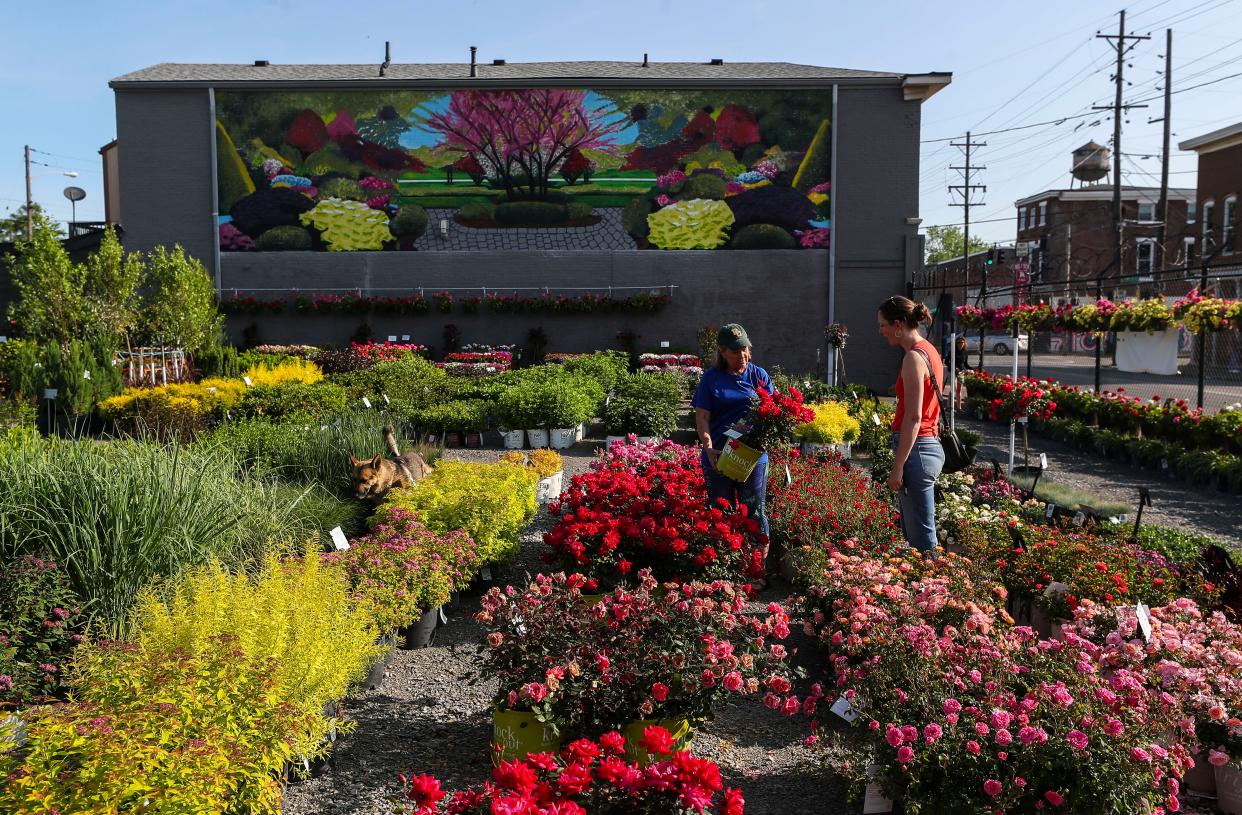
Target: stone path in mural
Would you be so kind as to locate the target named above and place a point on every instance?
(607, 234)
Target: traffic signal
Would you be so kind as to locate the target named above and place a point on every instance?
(990, 260)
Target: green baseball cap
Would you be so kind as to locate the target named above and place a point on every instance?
(733, 337)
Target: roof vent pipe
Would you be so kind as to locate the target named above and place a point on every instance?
(261, 63)
(387, 58)
(645, 59)
(717, 61)
(498, 62)
(473, 63)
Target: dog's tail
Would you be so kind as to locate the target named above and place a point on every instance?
(391, 440)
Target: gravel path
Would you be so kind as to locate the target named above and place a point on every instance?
(1174, 502)
(427, 717)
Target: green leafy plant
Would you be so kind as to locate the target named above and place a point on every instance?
(37, 631)
(178, 303)
(295, 401)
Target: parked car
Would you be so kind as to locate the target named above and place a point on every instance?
(1001, 344)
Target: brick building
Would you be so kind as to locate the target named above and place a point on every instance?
(1220, 182)
(1067, 234)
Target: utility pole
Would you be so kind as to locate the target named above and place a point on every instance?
(29, 200)
(1118, 108)
(1162, 208)
(965, 189)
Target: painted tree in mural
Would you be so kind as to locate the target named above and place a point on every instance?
(521, 137)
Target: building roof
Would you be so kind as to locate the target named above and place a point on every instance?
(1216, 140)
(1095, 192)
(628, 73)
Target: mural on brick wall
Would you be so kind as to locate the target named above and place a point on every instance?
(539, 168)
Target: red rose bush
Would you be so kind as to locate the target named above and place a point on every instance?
(589, 777)
(645, 506)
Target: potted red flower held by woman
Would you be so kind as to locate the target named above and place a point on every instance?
(771, 424)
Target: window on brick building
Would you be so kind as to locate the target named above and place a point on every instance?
(1229, 224)
(1147, 211)
(1188, 251)
(1021, 218)
(1145, 258)
(1043, 213)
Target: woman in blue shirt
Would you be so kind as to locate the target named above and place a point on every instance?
(724, 396)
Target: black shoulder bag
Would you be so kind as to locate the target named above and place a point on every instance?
(957, 454)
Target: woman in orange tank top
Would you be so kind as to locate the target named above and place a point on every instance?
(918, 457)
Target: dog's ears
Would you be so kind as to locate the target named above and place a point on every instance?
(375, 462)
(353, 461)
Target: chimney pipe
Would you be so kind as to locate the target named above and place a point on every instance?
(473, 64)
(644, 59)
(387, 57)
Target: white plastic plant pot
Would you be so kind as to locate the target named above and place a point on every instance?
(549, 487)
(581, 431)
(563, 437)
(514, 439)
(537, 438)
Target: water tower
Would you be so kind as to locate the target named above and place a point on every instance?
(1091, 162)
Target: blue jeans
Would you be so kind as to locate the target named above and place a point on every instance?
(917, 500)
(749, 493)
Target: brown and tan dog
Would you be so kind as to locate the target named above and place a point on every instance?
(373, 478)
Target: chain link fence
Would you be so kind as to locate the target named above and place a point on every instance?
(1070, 357)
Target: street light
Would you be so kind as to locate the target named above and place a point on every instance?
(30, 196)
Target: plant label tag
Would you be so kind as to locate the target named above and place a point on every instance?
(1164, 464)
(788, 475)
(1021, 420)
(844, 709)
(733, 434)
(211, 388)
(387, 401)
(1050, 509)
(366, 403)
(405, 337)
(443, 616)
(485, 573)
(392, 337)
(855, 395)
(246, 379)
(1079, 518)
(664, 343)
(875, 418)
(1043, 461)
(3, 338)
(338, 539)
(1123, 518)
(86, 374)
(1144, 621)
(322, 427)
(50, 393)
(874, 801)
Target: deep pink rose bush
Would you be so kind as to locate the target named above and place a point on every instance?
(662, 652)
(961, 711)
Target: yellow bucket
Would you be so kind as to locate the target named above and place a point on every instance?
(737, 461)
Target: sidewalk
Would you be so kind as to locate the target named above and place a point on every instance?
(1174, 503)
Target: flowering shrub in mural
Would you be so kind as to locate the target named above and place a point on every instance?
(537, 168)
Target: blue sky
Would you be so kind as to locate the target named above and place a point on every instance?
(1011, 67)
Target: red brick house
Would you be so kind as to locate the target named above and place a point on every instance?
(1220, 183)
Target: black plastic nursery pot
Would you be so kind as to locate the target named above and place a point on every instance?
(421, 632)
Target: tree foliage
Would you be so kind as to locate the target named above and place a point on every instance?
(51, 301)
(110, 288)
(946, 242)
(178, 301)
(13, 224)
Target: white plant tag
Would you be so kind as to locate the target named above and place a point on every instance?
(211, 388)
(338, 539)
(443, 616)
(1079, 518)
(366, 402)
(733, 434)
(1123, 518)
(1144, 621)
(86, 374)
(1043, 461)
(875, 418)
(246, 379)
(1164, 464)
(788, 475)
(3, 338)
(405, 337)
(664, 343)
(874, 801)
(1050, 509)
(392, 337)
(50, 393)
(844, 709)
(485, 573)
(387, 401)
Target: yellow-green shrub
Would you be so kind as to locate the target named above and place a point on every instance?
(294, 370)
(178, 410)
(296, 613)
(153, 730)
(833, 424)
(543, 462)
(491, 502)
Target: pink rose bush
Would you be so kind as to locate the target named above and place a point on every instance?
(652, 651)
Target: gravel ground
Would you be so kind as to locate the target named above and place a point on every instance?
(1174, 502)
(427, 717)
